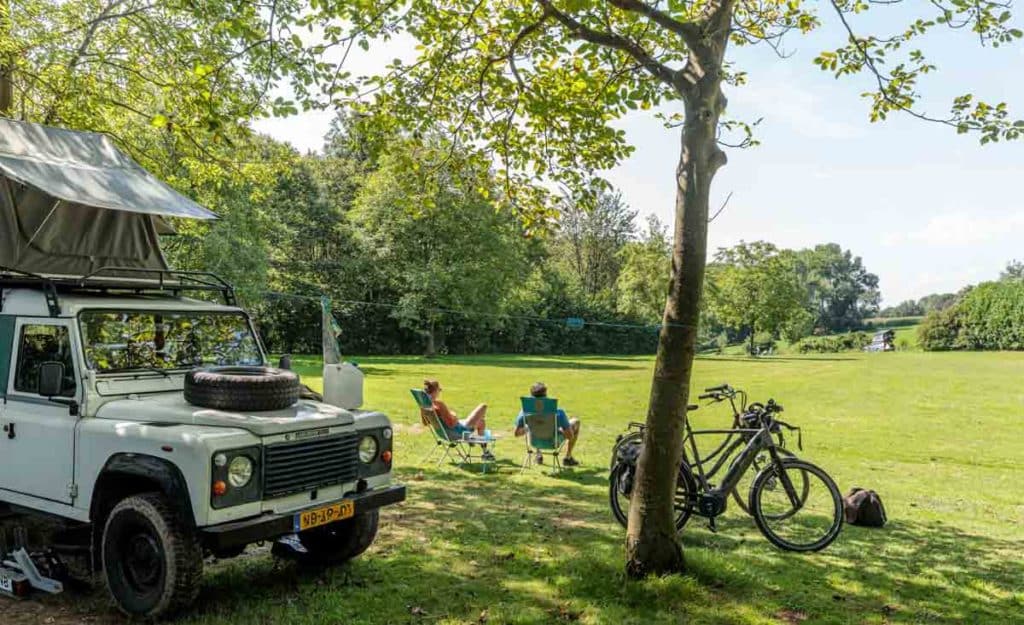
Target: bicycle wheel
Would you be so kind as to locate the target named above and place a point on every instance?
(632, 438)
(620, 490)
(763, 459)
(789, 520)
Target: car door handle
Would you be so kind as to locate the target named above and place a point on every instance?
(9, 428)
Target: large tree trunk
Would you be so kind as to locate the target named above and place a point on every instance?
(651, 545)
(6, 67)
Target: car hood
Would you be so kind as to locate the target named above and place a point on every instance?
(171, 408)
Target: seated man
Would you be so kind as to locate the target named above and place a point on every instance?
(474, 422)
(570, 427)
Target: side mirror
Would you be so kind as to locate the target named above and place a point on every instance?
(285, 362)
(51, 379)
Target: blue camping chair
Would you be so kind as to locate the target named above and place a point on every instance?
(542, 433)
(458, 448)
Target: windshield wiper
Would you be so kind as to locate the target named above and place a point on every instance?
(162, 372)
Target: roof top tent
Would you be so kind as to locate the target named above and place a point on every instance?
(72, 203)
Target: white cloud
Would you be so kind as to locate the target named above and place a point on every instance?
(961, 230)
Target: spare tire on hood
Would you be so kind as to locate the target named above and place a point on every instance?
(242, 388)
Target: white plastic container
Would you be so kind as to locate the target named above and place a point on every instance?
(343, 386)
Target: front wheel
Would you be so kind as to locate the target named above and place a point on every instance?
(763, 459)
(620, 490)
(152, 560)
(796, 505)
(340, 541)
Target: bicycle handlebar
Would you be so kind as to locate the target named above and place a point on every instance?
(716, 389)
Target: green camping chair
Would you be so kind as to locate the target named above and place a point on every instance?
(458, 448)
(542, 433)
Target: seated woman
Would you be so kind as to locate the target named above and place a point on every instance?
(475, 422)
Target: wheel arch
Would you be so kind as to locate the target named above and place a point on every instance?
(127, 474)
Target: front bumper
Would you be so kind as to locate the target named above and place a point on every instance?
(270, 526)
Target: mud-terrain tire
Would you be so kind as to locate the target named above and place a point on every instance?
(340, 542)
(242, 388)
(152, 560)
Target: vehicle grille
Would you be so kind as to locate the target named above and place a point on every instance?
(305, 465)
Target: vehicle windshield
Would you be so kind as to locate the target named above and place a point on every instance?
(166, 340)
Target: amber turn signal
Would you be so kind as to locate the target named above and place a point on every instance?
(386, 456)
(219, 488)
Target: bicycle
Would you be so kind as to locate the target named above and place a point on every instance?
(780, 499)
(743, 416)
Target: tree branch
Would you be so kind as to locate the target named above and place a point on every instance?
(689, 31)
(611, 40)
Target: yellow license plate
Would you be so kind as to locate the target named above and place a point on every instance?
(322, 516)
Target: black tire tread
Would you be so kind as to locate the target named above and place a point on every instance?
(182, 547)
(266, 388)
(837, 500)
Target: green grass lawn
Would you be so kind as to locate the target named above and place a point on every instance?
(938, 435)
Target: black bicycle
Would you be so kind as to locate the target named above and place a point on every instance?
(744, 418)
(795, 504)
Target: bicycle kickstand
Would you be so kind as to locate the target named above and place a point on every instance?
(712, 526)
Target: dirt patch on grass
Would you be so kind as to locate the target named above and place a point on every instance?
(73, 607)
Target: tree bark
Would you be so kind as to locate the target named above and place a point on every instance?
(6, 67)
(651, 545)
(431, 341)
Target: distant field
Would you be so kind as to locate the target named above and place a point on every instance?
(892, 322)
(939, 435)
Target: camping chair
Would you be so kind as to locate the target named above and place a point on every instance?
(542, 433)
(455, 447)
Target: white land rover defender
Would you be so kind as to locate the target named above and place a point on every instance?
(110, 423)
(139, 421)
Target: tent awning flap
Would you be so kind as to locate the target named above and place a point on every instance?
(87, 169)
(72, 202)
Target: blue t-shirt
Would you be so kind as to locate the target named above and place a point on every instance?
(561, 417)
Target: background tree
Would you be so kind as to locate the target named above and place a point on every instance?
(757, 289)
(923, 306)
(443, 246)
(841, 292)
(1014, 271)
(643, 279)
(591, 237)
(175, 83)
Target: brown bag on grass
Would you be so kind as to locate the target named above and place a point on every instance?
(864, 507)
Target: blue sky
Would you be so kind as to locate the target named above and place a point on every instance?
(926, 209)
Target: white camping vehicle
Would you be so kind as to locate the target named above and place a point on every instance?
(140, 422)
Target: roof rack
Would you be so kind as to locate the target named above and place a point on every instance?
(111, 279)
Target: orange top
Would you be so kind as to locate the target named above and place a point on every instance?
(446, 415)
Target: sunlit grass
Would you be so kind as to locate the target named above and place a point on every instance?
(938, 435)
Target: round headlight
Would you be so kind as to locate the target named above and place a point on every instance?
(367, 449)
(240, 471)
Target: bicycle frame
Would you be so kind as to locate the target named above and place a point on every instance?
(761, 440)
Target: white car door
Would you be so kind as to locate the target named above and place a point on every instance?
(37, 434)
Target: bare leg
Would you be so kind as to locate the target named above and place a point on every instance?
(572, 437)
(476, 419)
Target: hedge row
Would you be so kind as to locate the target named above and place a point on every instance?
(989, 316)
(833, 344)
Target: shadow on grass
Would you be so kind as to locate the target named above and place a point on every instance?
(512, 361)
(771, 359)
(545, 551)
